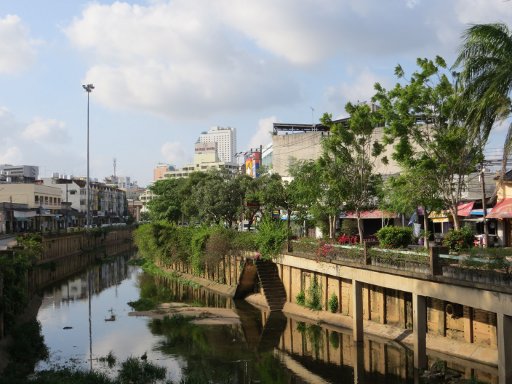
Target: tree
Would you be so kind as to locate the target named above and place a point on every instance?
(278, 194)
(217, 198)
(423, 122)
(251, 198)
(307, 190)
(485, 61)
(348, 163)
(414, 187)
(167, 203)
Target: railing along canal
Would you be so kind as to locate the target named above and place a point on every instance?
(492, 269)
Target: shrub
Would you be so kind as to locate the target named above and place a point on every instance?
(334, 339)
(325, 250)
(244, 241)
(198, 245)
(457, 240)
(314, 299)
(218, 244)
(271, 237)
(394, 237)
(333, 303)
(135, 371)
(301, 298)
(143, 304)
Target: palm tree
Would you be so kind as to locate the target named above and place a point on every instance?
(485, 60)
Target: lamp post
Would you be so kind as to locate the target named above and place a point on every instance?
(88, 88)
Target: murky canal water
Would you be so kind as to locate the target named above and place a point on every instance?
(88, 316)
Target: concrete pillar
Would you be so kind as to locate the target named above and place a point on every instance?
(504, 335)
(357, 311)
(419, 320)
(358, 362)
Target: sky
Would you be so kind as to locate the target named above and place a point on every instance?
(166, 70)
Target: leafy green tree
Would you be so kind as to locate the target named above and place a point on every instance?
(217, 197)
(307, 190)
(251, 197)
(167, 203)
(348, 164)
(411, 189)
(427, 129)
(278, 194)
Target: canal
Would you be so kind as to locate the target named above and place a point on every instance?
(87, 317)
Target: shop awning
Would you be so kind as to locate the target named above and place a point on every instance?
(375, 214)
(480, 212)
(444, 216)
(464, 209)
(502, 210)
(439, 217)
(24, 214)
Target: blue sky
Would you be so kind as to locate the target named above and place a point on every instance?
(166, 70)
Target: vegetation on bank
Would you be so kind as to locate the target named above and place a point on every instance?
(14, 267)
(167, 243)
(131, 371)
(24, 353)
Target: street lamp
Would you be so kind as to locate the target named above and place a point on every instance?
(88, 88)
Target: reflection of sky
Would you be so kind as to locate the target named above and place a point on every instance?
(125, 337)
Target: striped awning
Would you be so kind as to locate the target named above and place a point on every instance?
(502, 210)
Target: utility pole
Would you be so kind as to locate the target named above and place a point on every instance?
(484, 207)
(88, 88)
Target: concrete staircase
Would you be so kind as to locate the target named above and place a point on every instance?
(272, 286)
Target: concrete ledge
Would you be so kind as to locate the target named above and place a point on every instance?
(446, 349)
(222, 289)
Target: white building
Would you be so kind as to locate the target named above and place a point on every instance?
(18, 173)
(226, 142)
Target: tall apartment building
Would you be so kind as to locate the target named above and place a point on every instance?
(225, 139)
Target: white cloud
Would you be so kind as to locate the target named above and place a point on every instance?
(17, 48)
(483, 11)
(190, 59)
(9, 154)
(412, 3)
(175, 59)
(43, 141)
(360, 89)
(310, 31)
(50, 130)
(175, 153)
(263, 135)
(8, 123)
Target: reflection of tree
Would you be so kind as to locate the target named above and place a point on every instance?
(180, 335)
(211, 352)
(149, 289)
(270, 370)
(314, 335)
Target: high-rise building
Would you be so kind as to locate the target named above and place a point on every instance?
(225, 139)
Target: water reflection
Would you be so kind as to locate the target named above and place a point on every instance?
(264, 348)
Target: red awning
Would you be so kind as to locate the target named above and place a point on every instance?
(464, 209)
(502, 210)
(375, 214)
